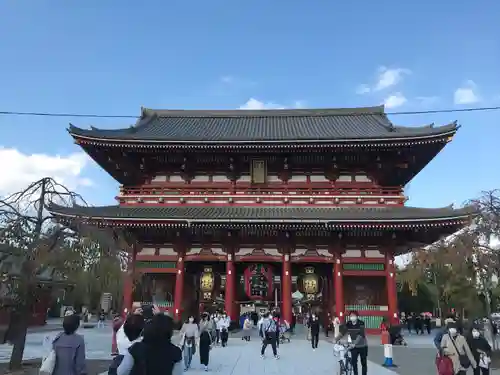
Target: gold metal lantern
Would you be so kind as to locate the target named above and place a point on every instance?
(207, 283)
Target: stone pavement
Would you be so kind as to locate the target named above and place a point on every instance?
(239, 358)
(297, 358)
(97, 344)
(242, 358)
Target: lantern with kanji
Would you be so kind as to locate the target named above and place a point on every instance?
(259, 282)
(207, 283)
(310, 283)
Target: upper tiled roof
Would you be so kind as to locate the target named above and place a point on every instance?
(264, 214)
(290, 125)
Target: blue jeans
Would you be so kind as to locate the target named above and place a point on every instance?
(188, 356)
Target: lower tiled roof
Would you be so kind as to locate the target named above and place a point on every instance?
(264, 214)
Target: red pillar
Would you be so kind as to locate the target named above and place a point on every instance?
(286, 289)
(392, 296)
(339, 288)
(230, 288)
(128, 285)
(179, 288)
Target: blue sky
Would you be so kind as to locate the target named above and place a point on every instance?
(111, 57)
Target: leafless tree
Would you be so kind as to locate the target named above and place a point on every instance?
(39, 248)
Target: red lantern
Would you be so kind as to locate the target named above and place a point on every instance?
(259, 282)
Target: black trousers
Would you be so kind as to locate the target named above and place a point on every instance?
(224, 335)
(271, 339)
(481, 371)
(362, 354)
(314, 340)
(217, 335)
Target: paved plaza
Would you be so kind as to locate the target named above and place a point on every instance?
(239, 358)
(242, 358)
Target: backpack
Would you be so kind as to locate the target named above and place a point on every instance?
(438, 338)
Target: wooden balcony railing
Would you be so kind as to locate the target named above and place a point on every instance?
(296, 189)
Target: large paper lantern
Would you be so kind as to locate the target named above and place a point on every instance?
(259, 282)
(207, 283)
(310, 283)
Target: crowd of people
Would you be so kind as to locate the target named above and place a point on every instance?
(417, 323)
(144, 342)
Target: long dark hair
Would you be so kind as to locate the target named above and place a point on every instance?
(159, 330)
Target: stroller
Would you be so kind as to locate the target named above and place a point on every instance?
(284, 334)
(396, 336)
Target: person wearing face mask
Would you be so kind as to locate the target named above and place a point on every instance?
(357, 337)
(314, 325)
(217, 318)
(481, 350)
(455, 347)
(189, 338)
(205, 341)
(223, 327)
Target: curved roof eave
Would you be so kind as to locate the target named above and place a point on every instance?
(442, 214)
(121, 137)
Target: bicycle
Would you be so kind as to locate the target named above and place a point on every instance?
(343, 352)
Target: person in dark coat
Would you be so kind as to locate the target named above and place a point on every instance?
(293, 323)
(418, 325)
(205, 341)
(155, 354)
(314, 325)
(480, 348)
(427, 323)
(409, 322)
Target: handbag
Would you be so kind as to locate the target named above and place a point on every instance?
(48, 364)
(444, 365)
(484, 361)
(462, 358)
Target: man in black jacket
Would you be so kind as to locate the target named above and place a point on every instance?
(356, 331)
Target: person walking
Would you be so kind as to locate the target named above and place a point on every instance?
(481, 350)
(356, 331)
(213, 328)
(69, 349)
(455, 347)
(336, 326)
(205, 341)
(247, 326)
(101, 319)
(223, 327)
(217, 318)
(314, 326)
(189, 338)
(270, 335)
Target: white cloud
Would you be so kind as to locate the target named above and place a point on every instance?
(395, 100)
(467, 94)
(18, 170)
(386, 78)
(389, 77)
(253, 103)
